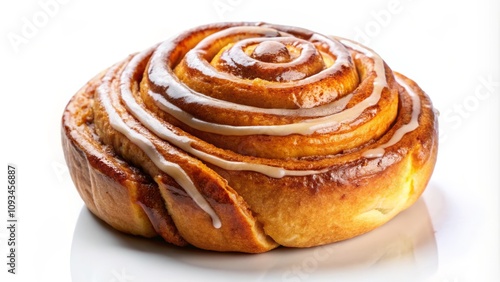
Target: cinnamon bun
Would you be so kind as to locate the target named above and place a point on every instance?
(247, 136)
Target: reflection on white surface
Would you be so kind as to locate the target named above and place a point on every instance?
(402, 250)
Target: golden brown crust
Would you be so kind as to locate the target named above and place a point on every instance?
(113, 190)
(345, 194)
(129, 201)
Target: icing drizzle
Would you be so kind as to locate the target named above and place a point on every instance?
(172, 169)
(331, 115)
(319, 118)
(406, 128)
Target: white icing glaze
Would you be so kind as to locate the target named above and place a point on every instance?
(195, 58)
(324, 110)
(379, 151)
(306, 127)
(172, 169)
(161, 74)
(331, 115)
(236, 57)
(184, 142)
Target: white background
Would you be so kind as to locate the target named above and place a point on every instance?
(451, 48)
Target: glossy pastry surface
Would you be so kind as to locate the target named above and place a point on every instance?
(246, 136)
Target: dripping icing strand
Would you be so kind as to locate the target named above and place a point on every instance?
(400, 132)
(185, 142)
(172, 169)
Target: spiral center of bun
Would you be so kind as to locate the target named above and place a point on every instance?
(264, 66)
(276, 59)
(271, 52)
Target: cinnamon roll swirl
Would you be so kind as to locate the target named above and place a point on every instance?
(247, 136)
